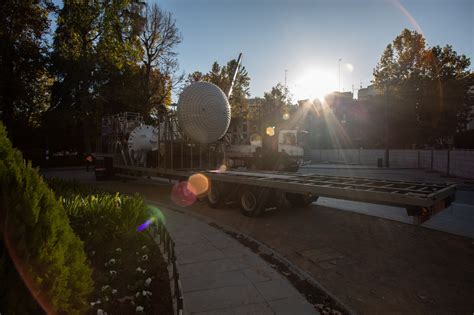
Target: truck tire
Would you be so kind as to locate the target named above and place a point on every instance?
(251, 201)
(300, 200)
(216, 196)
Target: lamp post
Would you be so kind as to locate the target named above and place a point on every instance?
(387, 143)
(339, 63)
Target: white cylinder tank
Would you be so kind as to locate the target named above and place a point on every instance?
(143, 138)
(203, 112)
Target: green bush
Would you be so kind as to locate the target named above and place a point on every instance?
(37, 242)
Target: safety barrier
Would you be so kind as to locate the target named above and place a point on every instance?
(449, 162)
(167, 247)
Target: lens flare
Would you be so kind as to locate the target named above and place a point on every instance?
(145, 225)
(156, 216)
(270, 131)
(198, 184)
(156, 213)
(181, 195)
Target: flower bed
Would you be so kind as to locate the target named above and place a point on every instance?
(128, 269)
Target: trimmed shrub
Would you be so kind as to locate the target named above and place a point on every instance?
(37, 242)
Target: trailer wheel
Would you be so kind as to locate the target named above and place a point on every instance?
(216, 196)
(299, 200)
(250, 203)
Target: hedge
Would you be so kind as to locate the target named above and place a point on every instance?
(38, 243)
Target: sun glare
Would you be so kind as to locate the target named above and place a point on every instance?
(315, 84)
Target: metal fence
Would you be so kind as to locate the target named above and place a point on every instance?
(450, 162)
(167, 247)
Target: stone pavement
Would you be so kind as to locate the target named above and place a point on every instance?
(221, 276)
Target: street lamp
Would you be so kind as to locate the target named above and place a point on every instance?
(339, 63)
(387, 144)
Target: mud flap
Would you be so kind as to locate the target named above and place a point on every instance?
(421, 214)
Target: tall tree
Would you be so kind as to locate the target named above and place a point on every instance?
(424, 91)
(275, 104)
(159, 38)
(74, 63)
(96, 62)
(222, 77)
(119, 51)
(24, 78)
(442, 110)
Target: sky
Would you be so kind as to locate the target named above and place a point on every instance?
(324, 45)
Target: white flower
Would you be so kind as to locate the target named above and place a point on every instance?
(146, 293)
(111, 262)
(118, 250)
(96, 302)
(144, 247)
(141, 270)
(114, 291)
(105, 287)
(101, 312)
(138, 294)
(145, 257)
(113, 273)
(148, 281)
(139, 308)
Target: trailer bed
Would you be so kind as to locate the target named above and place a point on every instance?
(421, 199)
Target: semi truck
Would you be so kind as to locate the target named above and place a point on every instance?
(183, 144)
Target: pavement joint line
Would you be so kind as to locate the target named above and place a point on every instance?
(303, 275)
(233, 308)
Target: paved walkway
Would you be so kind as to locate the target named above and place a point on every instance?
(221, 276)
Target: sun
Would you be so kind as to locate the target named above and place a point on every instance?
(313, 84)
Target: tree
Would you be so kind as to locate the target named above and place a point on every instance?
(96, 62)
(442, 110)
(74, 64)
(222, 77)
(196, 76)
(119, 52)
(424, 91)
(24, 79)
(275, 104)
(159, 38)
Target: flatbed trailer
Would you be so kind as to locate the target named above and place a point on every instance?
(257, 190)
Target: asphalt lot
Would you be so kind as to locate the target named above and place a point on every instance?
(372, 264)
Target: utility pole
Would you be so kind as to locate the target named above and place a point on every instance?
(286, 70)
(339, 62)
(387, 143)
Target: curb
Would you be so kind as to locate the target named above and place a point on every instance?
(359, 168)
(301, 274)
